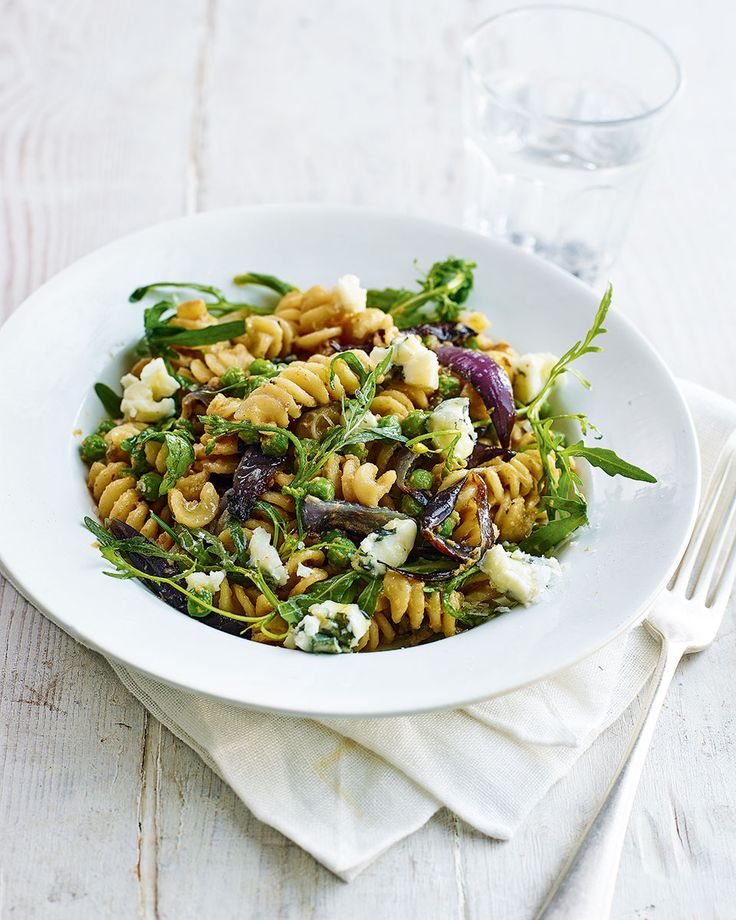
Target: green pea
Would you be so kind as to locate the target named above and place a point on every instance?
(252, 383)
(449, 386)
(264, 368)
(275, 445)
(447, 527)
(93, 447)
(321, 488)
(197, 610)
(411, 506)
(421, 479)
(249, 436)
(415, 424)
(341, 552)
(389, 421)
(234, 377)
(358, 450)
(106, 425)
(332, 535)
(149, 485)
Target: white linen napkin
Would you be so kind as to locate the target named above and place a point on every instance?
(345, 790)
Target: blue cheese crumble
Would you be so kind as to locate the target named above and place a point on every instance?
(390, 545)
(531, 372)
(329, 628)
(266, 556)
(453, 415)
(349, 294)
(419, 365)
(517, 575)
(205, 581)
(148, 398)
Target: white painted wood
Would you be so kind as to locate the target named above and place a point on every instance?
(113, 116)
(96, 119)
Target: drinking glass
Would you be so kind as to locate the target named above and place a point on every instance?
(562, 108)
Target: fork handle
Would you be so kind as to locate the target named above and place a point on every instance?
(584, 890)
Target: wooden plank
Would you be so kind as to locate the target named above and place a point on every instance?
(70, 759)
(95, 129)
(296, 105)
(216, 859)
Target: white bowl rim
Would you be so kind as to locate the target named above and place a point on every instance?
(208, 684)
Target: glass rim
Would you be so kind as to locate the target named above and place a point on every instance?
(572, 8)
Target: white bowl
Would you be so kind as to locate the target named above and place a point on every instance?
(66, 336)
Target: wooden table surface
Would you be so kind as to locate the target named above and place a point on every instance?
(114, 116)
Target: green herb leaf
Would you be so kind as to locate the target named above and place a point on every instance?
(139, 293)
(263, 280)
(388, 432)
(609, 462)
(170, 336)
(239, 540)
(353, 362)
(368, 597)
(421, 567)
(340, 588)
(387, 299)
(563, 497)
(550, 535)
(98, 531)
(441, 293)
(217, 306)
(475, 614)
(274, 516)
(179, 457)
(109, 399)
(558, 504)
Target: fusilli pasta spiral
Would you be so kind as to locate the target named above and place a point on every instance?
(268, 336)
(303, 384)
(116, 494)
(320, 320)
(513, 497)
(357, 482)
(399, 399)
(410, 608)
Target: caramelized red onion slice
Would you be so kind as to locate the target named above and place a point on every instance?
(253, 475)
(485, 524)
(405, 460)
(429, 578)
(319, 516)
(151, 565)
(491, 382)
(441, 507)
(154, 565)
(456, 333)
(196, 402)
(438, 509)
(482, 453)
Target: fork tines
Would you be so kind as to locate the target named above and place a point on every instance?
(708, 567)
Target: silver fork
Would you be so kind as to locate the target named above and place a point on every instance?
(686, 618)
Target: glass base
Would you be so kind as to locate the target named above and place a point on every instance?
(574, 256)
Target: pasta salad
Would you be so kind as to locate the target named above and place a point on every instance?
(338, 469)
